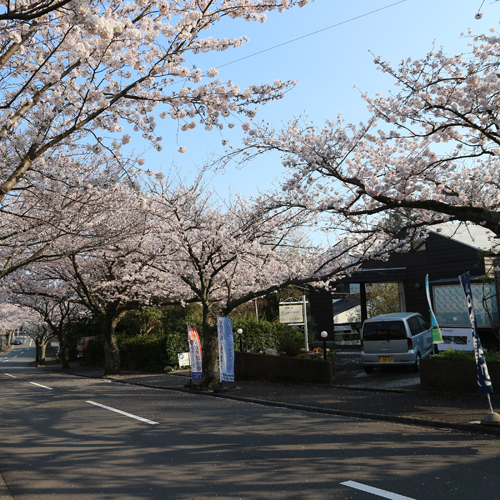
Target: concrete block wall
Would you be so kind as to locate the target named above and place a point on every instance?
(249, 366)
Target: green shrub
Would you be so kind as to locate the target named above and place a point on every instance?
(157, 352)
(264, 334)
(452, 355)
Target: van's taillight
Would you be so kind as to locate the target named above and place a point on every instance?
(410, 344)
(362, 345)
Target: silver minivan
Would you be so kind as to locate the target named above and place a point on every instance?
(395, 339)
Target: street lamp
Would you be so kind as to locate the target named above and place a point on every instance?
(240, 332)
(323, 336)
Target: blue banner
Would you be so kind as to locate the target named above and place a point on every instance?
(226, 349)
(483, 377)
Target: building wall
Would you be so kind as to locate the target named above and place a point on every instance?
(442, 258)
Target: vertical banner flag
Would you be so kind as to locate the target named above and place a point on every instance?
(437, 338)
(226, 349)
(195, 352)
(483, 377)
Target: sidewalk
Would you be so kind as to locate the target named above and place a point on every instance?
(347, 397)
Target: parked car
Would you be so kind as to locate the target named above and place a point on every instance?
(395, 339)
(81, 346)
(17, 341)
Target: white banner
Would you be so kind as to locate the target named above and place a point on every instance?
(195, 352)
(226, 349)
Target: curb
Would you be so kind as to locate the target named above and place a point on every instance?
(420, 422)
(473, 428)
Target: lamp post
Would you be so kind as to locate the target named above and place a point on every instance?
(240, 332)
(323, 336)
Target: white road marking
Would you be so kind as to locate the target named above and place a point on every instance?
(15, 356)
(9, 375)
(40, 385)
(150, 422)
(375, 491)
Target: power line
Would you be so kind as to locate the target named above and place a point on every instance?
(311, 34)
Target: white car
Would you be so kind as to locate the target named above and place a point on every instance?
(395, 339)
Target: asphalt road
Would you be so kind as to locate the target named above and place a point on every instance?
(61, 438)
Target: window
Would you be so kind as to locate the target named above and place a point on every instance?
(384, 330)
(415, 325)
(450, 307)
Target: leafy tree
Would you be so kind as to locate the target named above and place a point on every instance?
(381, 298)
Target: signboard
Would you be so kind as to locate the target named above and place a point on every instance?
(293, 313)
(226, 349)
(184, 359)
(195, 352)
(458, 339)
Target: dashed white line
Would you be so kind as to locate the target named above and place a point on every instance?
(375, 491)
(9, 375)
(40, 385)
(150, 422)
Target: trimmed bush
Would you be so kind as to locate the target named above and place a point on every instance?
(264, 334)
(452, 355)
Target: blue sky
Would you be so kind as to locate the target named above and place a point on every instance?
(327, 64)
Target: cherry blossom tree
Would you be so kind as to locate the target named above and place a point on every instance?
(107, 278)
(429, 152)
(55, 312)
(47, 214)
(74, 72)
(222, 256)
(13, 317)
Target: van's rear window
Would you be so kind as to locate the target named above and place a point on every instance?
(384, 330)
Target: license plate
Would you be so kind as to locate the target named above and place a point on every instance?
(386, 359)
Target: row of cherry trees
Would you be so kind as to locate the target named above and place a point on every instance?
(74, 227)
(170, 243)
(80, 226)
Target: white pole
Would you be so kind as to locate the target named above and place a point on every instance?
(489, 402)
(306, 335)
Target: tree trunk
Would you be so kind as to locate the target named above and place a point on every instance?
(111, 350)
(37, 351)
(41, 348)
(210, 378)
(64, 350)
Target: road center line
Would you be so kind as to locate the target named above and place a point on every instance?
(9, 375)
(375, 491)
(40, 385)
(150, 422)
